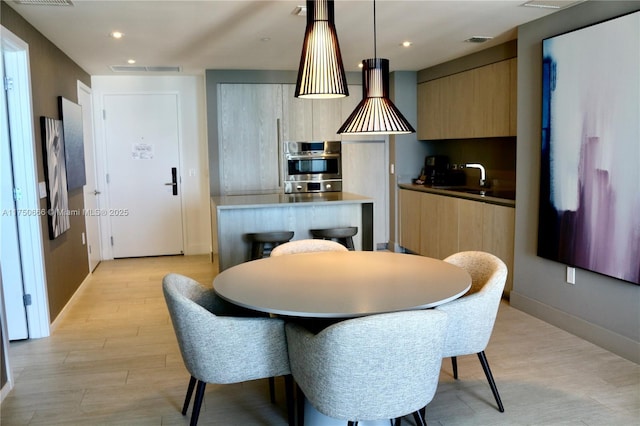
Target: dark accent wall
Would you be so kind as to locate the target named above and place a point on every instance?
(53, 74)
(600, 309)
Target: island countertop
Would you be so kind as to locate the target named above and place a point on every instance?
(233, 217)
(281, 199)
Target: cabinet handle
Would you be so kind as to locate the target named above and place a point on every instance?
(280, 154)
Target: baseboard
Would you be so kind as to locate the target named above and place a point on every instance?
(5, 390)
(71, 301)
(607, 339)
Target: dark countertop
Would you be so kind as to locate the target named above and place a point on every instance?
(503, 197)
(281, 200)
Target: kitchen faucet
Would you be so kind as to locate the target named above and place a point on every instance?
(483, 172)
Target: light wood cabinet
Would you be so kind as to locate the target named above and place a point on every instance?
(248, 116)
(438, 226)
(309, 120)
(470, 104)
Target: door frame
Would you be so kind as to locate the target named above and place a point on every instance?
(21, 123)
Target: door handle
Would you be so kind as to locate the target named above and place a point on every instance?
(174, 180)
(96, 192)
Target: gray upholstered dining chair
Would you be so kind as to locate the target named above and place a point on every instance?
(472, 317)
(219, 347)
(376, 367)
(306, 246)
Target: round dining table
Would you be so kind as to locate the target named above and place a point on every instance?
(341, 284)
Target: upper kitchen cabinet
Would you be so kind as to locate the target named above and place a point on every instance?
(309, 120)
(248, 118)
(477, 103)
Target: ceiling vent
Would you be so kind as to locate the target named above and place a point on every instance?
(139, 68)
(478, 39)
(45, 2)
(551, 4)
(299, 11)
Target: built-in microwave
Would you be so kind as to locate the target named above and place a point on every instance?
(312, 166)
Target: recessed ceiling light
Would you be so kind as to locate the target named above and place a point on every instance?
(265, 39)
(360, 65)
(117, 34)
(406, 43)
(131, 61)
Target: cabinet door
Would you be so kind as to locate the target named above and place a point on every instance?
(498, 235)
(490, 100)
(431, 116)
(297, 116)
(438, 226)
(410, 216)
(327, 119)
(470, 225)
(248, 116)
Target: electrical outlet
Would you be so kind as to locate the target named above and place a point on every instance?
(571, 275)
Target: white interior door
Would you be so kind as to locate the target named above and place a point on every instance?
(91, 192)
(10, 248)
(143, 165)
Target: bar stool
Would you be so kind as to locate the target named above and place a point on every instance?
(342, 235)
(267, 240)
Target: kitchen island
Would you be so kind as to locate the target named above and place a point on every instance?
(235, 216)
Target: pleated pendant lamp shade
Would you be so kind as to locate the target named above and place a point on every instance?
(321, 73)
(376, 114)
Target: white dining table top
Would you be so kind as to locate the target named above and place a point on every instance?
(341, 284)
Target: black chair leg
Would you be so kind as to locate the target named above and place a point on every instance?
(300, 405)
(198, 402)
(187, 399)
(492, 383)
(419, 417)
(397, 422)
(454, 364)
(272, 389)
(350, 423)
(291, 408)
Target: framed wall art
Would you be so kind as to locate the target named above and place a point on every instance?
(71, 115)
(55, 176)
(589, 213)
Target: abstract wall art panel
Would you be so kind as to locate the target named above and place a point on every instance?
(56, 177)
(71, 114)
(589, 214)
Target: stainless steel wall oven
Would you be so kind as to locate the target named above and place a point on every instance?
(312, 166)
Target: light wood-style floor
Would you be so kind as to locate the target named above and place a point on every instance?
(114, 360)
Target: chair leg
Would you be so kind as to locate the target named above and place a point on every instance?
(300, 405)
(419, 417)
(198, 402)
(187, 399)
(350, 423)
(454, 364)
(397, 422)
(272, 389)
(291, 408)
(492, 383)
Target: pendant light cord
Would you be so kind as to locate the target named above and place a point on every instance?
(375, 38)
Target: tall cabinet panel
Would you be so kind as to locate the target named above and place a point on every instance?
(248, 117)
(309, 119)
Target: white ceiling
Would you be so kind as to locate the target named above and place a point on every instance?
(216, 34)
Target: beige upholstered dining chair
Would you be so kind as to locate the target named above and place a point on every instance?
(370, 368)
(306, 246)
(471, 317)
(219, 347)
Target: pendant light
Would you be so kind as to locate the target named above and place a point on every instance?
(375, 114)
(321, 74)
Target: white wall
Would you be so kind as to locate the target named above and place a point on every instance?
(194, 154)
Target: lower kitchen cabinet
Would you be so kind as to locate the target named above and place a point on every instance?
(438, 225)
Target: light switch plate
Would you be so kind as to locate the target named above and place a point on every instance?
(42, 190)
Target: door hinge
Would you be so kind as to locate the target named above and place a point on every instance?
(27, 299)
(111, 240)
(104, 114)
(8, 83)
(108, 179)
(17, 194)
